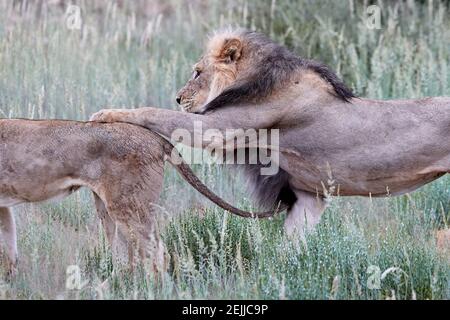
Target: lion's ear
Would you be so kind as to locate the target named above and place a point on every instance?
(231, 50)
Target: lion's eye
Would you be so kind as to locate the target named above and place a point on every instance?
(196, 74)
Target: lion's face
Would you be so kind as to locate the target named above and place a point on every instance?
(215, 71)
(197, 90)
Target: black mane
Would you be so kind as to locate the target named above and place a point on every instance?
(340, 89)
(276, 64)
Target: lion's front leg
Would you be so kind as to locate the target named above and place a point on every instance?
(165, 121)
(162, 121)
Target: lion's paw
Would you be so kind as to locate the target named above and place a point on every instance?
(108, 115)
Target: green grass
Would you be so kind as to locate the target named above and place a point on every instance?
(139, 56)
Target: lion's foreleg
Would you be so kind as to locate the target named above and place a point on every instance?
(8, 231)
(203, 129)
(304, 215)
(162, 121)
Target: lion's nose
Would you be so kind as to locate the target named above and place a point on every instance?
(178, 98)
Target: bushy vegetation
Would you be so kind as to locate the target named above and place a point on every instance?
(138, 53)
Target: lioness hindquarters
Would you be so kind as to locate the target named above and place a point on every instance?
(126, 197)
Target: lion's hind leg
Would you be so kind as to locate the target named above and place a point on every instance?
(9, 236)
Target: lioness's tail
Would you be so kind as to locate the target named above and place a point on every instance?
(174, 157)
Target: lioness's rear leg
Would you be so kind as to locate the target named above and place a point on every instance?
(108, 224)
(8, 232)
(138, 225)
(304, 215)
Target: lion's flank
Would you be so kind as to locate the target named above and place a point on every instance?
(272, 66)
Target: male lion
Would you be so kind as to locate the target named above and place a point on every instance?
(330, 140)
(122, 164)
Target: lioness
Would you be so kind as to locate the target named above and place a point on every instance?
(122, 164)
(330, 140)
